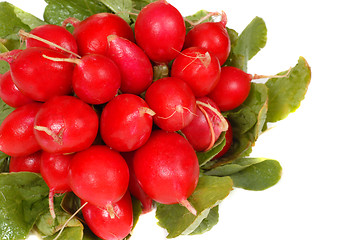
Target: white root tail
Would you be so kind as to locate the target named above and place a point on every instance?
(189, 207)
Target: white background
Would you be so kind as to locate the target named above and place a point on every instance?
(317, 146)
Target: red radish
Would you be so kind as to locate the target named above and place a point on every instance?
(100, 176)
(232, 89)
(96, 78)
(42, 78)
(167, 168)
(173, 102)
(199, 68)
(136, 68)
(103, 225)
(91, 33)
(135, 187)
(28, 163)
(54, 34)
(126, 123)
(160, 31)
(211, 36)
(207, 125)
(10, 94)
(229, 140)
(54, 169)
(17, 131)
(65, 124)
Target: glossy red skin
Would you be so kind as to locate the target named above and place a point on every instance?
(136, 68)
(99, 175)
(232, 89)
(54, 169)
(134, 186)
(40, 78)
(96, 79)
(229, 141)
(91, 33)
(123, 126)
(10, 94)
(55, 34)
(73, 122)
(202, 75)
(28, 163)
(160, 31)
(164, 97)
(167, 167)
(198, 131)
(213, 37)
(17, 131)
(105, 227)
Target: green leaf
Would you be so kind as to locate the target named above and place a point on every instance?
(259, 176)
(209, 192)
(252, 39)
(234, 167)
(69, 233)
(28, 18)
(121, 7)
(286, 94)
(139, 4)
(57, 11)
(24, 197)
(196, 17)
(204, 157)
(10, 23)
(5, 110)
(208, 223)
(4, 162)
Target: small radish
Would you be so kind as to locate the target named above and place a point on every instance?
(212, 36)
(54, 34)
(136, 68)
(42, 78)
(100, 176)
(10, 94)
(54, 169)
(28, 163)
(229, 140)
(207, 125)
(91, 33)
(103, 225)
(167, 168)
(126, 122)
(17, 131)
(135, 187)
(65, 124)
(199, 68)
(173, 102)
(96, 78)
(160, 31)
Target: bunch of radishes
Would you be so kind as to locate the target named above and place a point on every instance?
(90, 118)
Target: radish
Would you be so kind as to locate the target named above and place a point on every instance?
(207, 125)
(173, 102)
(136, 68)
(160, 31)
(126, 122)
(65, 124)
(100, 176)
(28, 163)
(42, 78)
(106, 227)
(54, 169)
(211, 36)
(55, 34)
(17, 131)
(135, 187)
(199, 68)
(10, 94)
(167, 168)
(96, 78)
(91, 33)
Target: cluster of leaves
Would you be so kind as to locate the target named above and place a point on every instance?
(24, 204)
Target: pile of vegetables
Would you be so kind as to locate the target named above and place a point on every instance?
(113, 109)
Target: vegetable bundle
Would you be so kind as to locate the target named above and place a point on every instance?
(111, 115)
